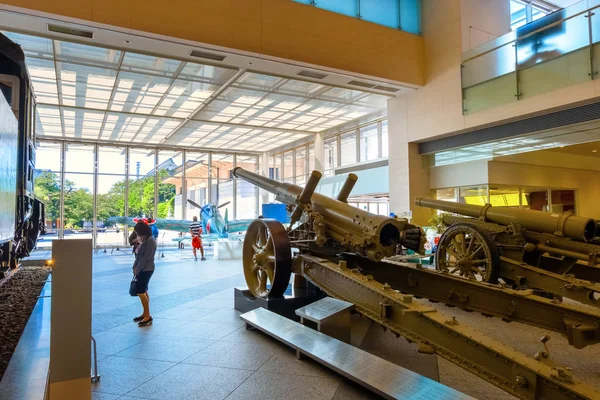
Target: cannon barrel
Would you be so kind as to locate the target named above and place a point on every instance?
(371, 235)
(564, 224)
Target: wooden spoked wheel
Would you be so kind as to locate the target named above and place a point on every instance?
(267, 258)
(468, 251)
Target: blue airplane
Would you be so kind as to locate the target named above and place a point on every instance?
(214, 226)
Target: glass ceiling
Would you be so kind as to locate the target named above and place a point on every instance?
(102, 94)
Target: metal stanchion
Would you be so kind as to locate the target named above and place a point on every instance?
(94, 370)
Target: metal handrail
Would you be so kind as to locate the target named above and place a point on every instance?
(94, 370)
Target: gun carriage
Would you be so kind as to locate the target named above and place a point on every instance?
(341, 249)
(557, 254)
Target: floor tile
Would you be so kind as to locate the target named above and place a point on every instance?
(202, 330)
(166, 349)
(109, 343)
(104, 396)
(233, 355)
(243, 335)
(106, 321)
(184, 313)
(121, 375)
(285, 362)
(267, 386)
(225, 315)
(158, 326)
(193, 382)
(212, 303)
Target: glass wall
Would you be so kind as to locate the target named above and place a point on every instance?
(47, 187)
(112, 181)
(339, 150)
(222, 183)
(196, 184)
(546, 51)
(369, 143)
(110, 201)
(246, 193)
(78, 191)
(540, 199)
(398, 14)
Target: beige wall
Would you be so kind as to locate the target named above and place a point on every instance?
(471, 173)
(449, 28)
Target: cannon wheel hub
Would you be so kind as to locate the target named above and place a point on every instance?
(267, 258)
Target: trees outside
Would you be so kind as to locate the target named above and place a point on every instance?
(79, 201)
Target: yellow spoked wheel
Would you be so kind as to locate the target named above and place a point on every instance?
(267, 258)
(467, 251)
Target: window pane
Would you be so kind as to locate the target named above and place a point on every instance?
(535, 199)
(79, 158)
(446, 194)
(110, 202)
(518, 14)
(246, 192)
(369, 146)
(506, 197)
(384, 139)
(330, 155)
(346, 7)
(300, 162)
(563, 201)
(47, 156)
(288, 165)
(196, 180)
(277, 168)
(384, 12)
(311, 158)
(111, 160)
(473, 195)
(222, 182)
(348, 148)
(141, 183)
(410, 16)
(79, 208)
(170, 185)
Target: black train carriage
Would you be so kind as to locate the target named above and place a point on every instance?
(21, 214)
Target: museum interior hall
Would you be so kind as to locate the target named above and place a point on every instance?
(299, 199)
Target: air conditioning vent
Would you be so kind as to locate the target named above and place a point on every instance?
(362, 84)
(387, 89)
(70, 31)
(312, 74)
(208, 56)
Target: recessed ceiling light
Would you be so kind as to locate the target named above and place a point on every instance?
(594, 151)
(128, 42)
(250, 63)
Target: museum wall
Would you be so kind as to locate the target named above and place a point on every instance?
(519, 173)
(279, 28)
(470, 173)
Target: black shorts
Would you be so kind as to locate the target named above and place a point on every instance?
(143, 278)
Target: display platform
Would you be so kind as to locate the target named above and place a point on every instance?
(293, 298)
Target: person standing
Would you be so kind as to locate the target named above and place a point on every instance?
(143, 268)
(196, 230)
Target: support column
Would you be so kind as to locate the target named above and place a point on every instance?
(155, 214)
(126, 205)
(95, 200)
(209, 184)
(234, 190)
(264, 195)
(61, 213)
(408, 171)
(319, 152)
(184, 186)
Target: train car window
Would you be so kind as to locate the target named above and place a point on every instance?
(10, 90)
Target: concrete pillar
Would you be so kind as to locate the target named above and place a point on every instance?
(264, 195)
(319, 151)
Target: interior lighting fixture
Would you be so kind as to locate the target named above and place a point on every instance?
(594, 151)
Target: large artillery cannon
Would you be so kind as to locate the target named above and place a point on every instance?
(555, 253)
(339, 249)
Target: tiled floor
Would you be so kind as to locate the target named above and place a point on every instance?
(197, 347)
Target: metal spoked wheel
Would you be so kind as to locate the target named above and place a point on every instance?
(267, 258)
(466, 250)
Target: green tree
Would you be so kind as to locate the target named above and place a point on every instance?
(47, 189)
(79, 206)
